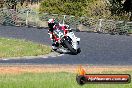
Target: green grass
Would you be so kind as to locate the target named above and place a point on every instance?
(50, 80)
(19, 48)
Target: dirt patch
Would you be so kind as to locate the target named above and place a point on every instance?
(18, 69)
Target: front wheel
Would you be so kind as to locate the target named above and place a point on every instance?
(73, 51)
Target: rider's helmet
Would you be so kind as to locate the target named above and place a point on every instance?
(51, 23)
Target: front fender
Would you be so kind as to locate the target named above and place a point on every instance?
(78, 39)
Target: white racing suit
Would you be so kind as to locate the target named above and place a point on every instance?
(55, 44)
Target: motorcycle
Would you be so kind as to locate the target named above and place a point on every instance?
(65, 38)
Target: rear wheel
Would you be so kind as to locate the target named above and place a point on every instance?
(55, 46)
(78, 50)
(70, 47)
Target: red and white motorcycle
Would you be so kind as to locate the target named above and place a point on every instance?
(65, 37)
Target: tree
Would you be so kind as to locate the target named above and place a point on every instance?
(127, 6)
(118, 7)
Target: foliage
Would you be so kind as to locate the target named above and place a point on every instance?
(121, 9)
(1, 3)
(11, 4)
(89, 8)
(109, 9)
(69, 7)
(115, 9)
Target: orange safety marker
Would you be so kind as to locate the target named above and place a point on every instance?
(81, 70)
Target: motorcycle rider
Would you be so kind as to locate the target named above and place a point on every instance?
(52, 24)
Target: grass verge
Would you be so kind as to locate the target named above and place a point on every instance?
(51, 80)
(19, 48)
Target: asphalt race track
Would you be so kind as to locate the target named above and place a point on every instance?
(97, 49)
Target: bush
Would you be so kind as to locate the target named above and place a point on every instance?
(68, 7)
(90, 8)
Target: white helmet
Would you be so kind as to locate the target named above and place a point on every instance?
(51, 21)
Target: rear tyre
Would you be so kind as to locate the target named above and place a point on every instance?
(79, 50)
(54, 47)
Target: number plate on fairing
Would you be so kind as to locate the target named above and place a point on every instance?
(71, 35)
(59, 33)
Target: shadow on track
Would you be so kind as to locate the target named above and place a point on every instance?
(63, 51)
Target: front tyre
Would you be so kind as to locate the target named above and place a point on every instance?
(73, 51)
